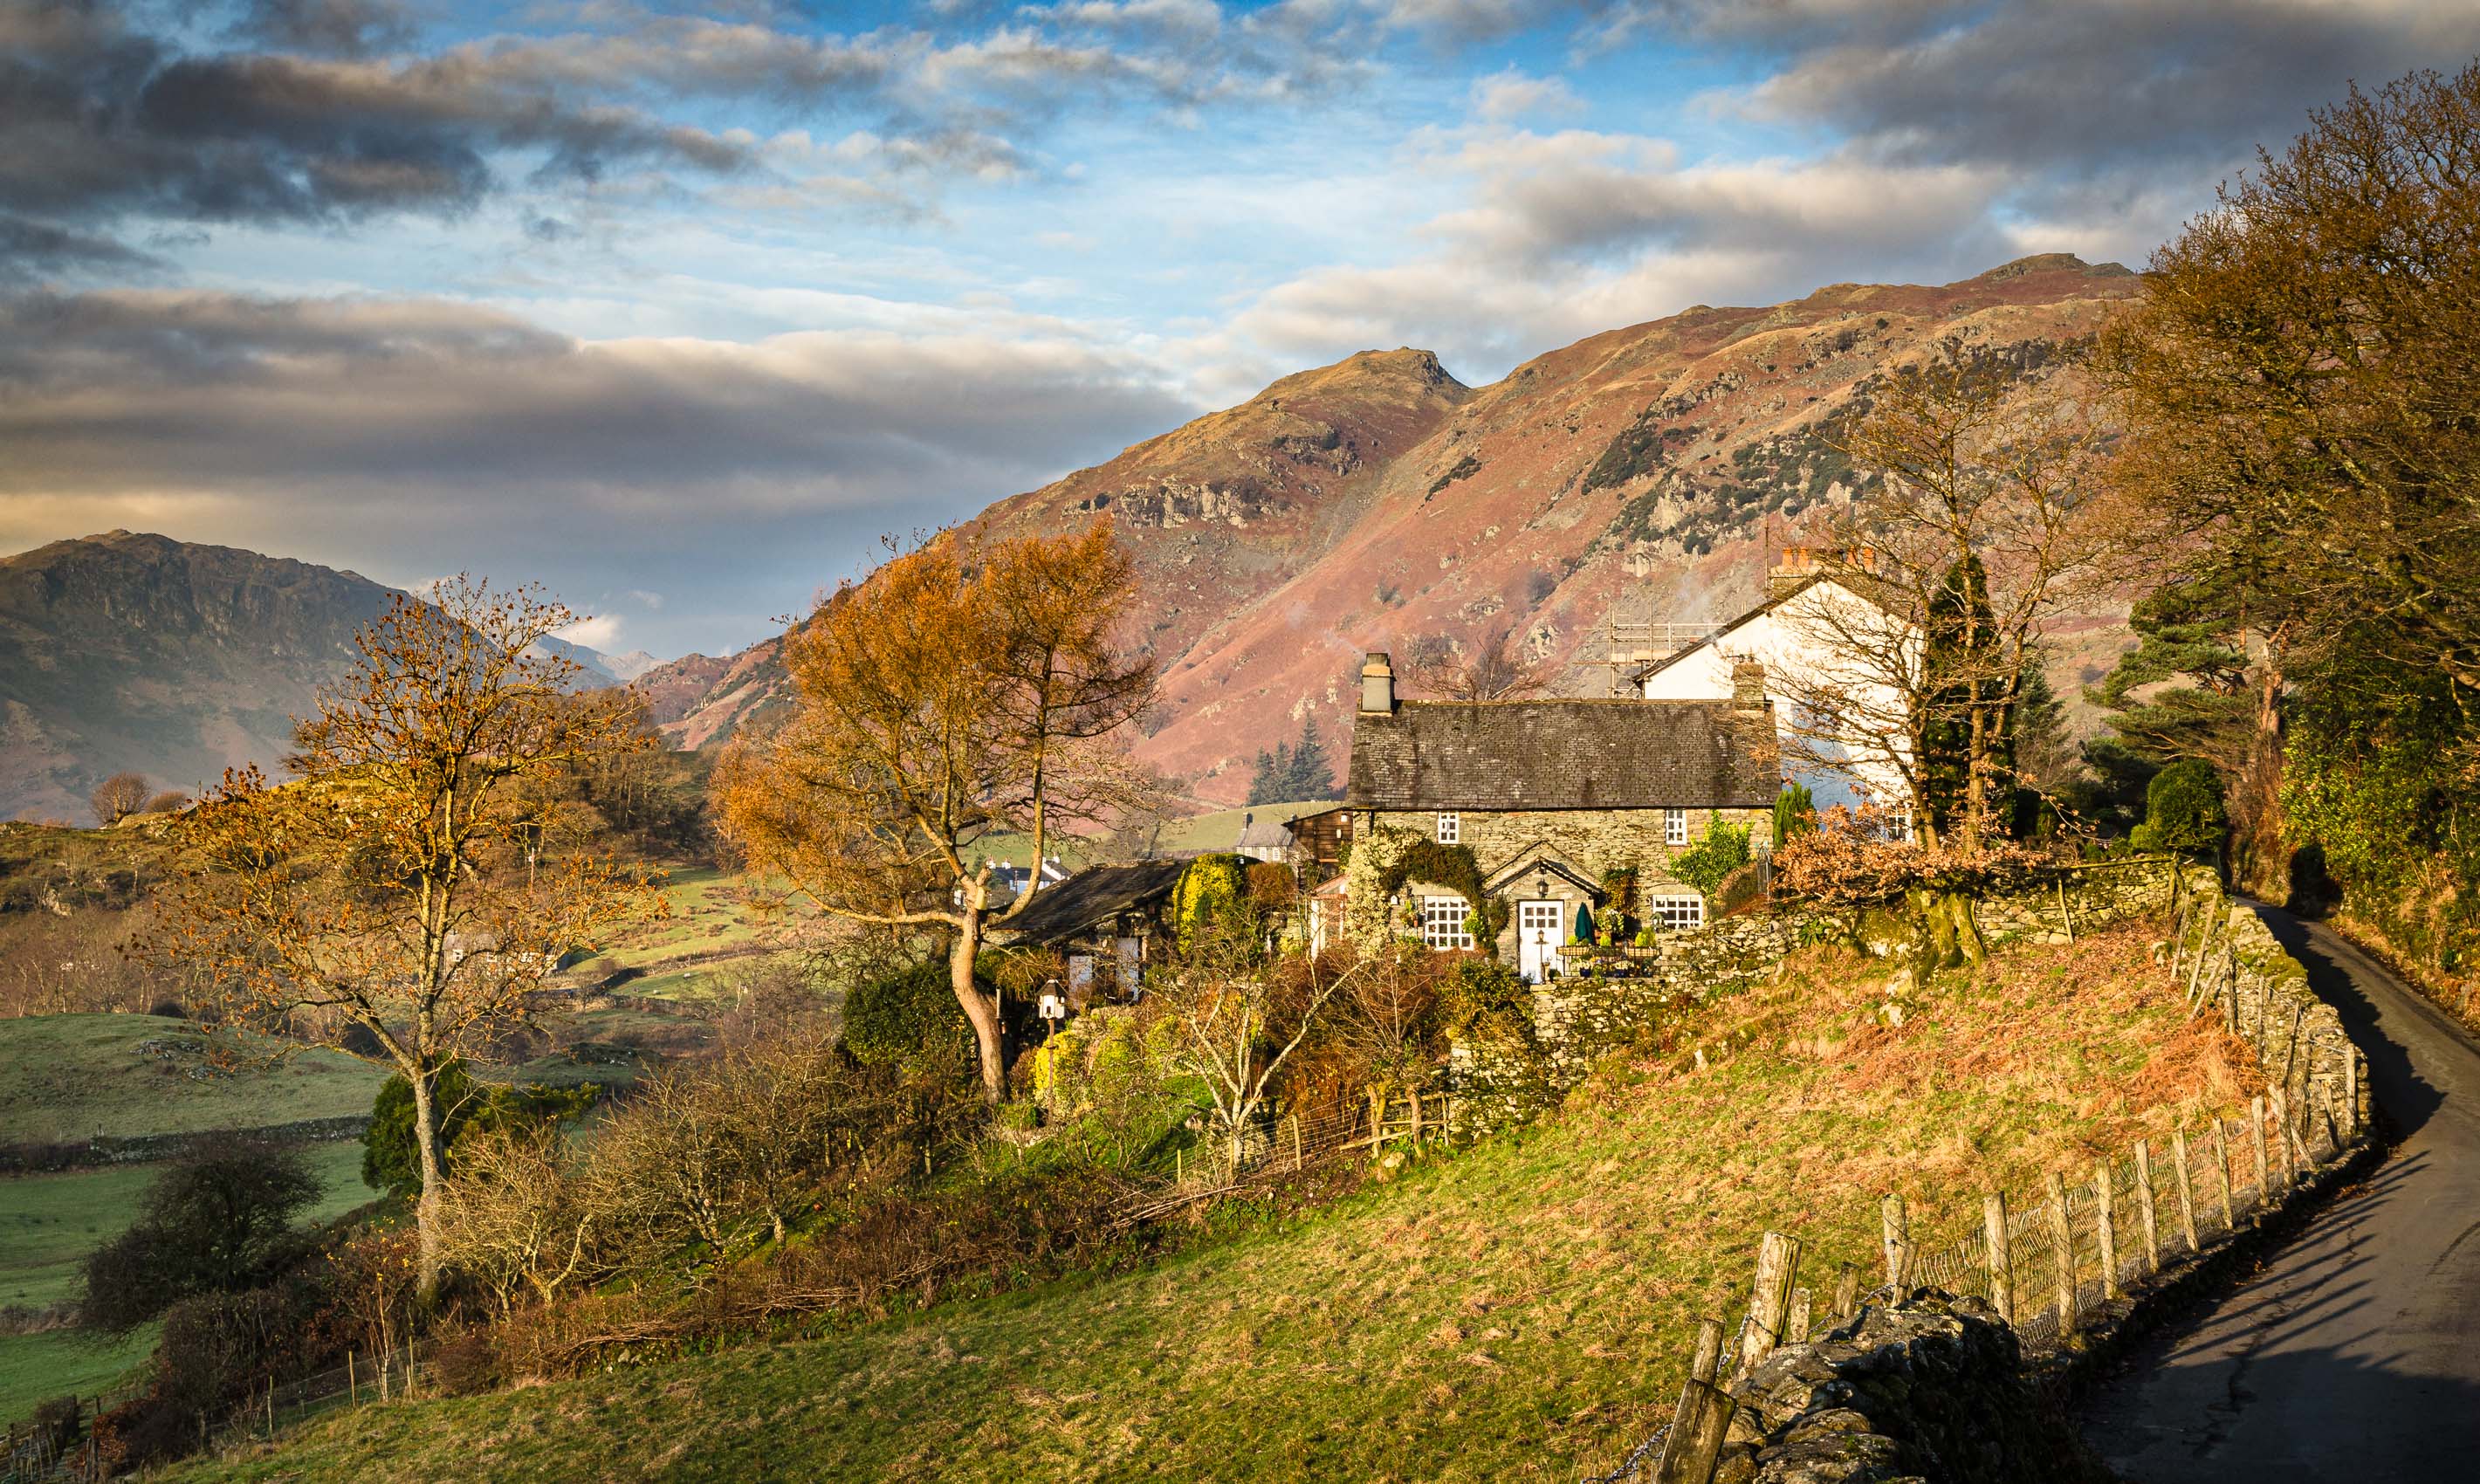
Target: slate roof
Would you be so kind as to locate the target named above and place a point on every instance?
(1564, 754)
(1092, 895)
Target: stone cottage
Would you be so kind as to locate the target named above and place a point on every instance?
(1551, 797)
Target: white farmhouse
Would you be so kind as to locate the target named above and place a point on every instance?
(1829, 650)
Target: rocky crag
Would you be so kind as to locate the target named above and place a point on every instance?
(1638, 474)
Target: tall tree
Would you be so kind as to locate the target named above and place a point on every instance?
(2298, 387)
(399, 884)
(1312, 769)
(1979, 526)
(935, 703)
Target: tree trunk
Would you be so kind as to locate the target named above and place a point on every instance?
(426, 1206)
(2260, 862)
(981, 1011)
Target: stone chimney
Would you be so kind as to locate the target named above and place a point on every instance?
(1378, 683)
(1748, 686)
(1795, 565)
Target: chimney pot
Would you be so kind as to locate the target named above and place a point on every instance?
(1378, 683)
(1748, 686)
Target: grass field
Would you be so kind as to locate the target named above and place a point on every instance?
(1508, 1313)
(71, 1077)
(48, 1223)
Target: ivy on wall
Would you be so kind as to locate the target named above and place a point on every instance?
(1423, 859)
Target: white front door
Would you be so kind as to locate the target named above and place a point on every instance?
(1541, 926)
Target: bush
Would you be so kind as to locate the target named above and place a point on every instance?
(1210, 895)
(391, 1162)
(1721, 850)
(2182, 810)
(909, 1020)
(219, 1220)
(1795, 813)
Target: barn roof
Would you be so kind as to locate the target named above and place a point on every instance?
(1564, 754)
(1092, 895)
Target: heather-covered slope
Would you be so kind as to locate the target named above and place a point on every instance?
(1377, 500)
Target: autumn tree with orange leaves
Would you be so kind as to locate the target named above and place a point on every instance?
(953, 695)
(403, 881)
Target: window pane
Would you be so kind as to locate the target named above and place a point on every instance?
(1675, 914)
(1442, 923)
(1450, 828)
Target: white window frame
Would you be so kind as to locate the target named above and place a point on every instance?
(1675, 911)
(1674, 827)
(1442, 923)
(1451, 828)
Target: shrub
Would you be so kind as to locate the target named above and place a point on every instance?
(2183, 809)
(390, 1159)
(1721, 850)
(909, 1020)
(1209, 894)
(1795, 813)
(219, 1220)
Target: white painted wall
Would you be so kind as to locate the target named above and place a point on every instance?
(1794, 642)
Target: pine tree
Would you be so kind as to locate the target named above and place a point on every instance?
(1312, 771)
(1272, 781)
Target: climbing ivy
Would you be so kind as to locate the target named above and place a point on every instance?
(1721, 850)
(1451, 866)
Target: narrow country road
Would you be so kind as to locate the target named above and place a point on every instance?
(2355, 1353)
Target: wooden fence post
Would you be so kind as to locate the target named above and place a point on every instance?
(2186, 1192)
(1697, 1433)
(1297, 1162)
(2062, 1238)
(1707, 1362)
(1846, 1293)
(2001, 1267)
(2222, 1175)
(1895, 1234)
(1795, 1328)
(2144, 1206)
(2255, 1136)
(1770, 1305)
(2107, 1227)
(2194, 969)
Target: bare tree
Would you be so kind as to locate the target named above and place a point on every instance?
(120, 797)
(514, 1216)
(1495, 669)
(386, 890)
(1982, 527)
(1235, 1018)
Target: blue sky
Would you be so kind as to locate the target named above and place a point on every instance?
(676, 310)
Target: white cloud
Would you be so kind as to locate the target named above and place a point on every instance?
(1505, 97)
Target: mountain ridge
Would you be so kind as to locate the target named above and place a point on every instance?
(1377, 500)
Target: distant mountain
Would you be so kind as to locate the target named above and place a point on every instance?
(132, 652)
(600, 669)
(1379, 500)
(126, 651)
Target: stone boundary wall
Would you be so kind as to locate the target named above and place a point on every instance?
(2229, 963)
(138, 1149)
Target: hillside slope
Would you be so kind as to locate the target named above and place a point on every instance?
(131, 651)
(1513, 1311)
(1377, 500)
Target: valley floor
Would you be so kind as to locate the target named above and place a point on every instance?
(1516, 1310)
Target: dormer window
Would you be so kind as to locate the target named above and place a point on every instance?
(1674, 827)
(1451, 828)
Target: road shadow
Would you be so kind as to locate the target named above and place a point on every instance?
(2278, 1415)
(2404, 1099)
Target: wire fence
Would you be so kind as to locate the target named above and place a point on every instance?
(2056, 1259)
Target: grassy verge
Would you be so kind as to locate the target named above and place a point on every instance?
(71, 1077)
(48, 1223)
(1509, 1312)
